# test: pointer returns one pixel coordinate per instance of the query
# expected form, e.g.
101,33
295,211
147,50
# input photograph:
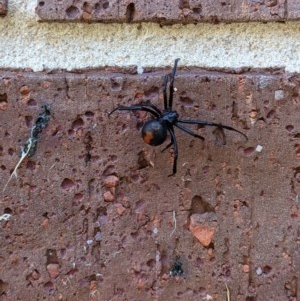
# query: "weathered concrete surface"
168,12
3,7
94,215
26,43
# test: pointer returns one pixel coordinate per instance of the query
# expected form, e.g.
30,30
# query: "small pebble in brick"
246,268
279,94
35,275
258,148
89,241
24,90
45,223
111,181
93,285
108,196
53,270
120,209
202,231
98,236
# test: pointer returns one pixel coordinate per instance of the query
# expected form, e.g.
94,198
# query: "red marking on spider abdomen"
148,136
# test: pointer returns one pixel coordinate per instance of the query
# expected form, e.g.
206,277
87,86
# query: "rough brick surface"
168,12
94,215
3,7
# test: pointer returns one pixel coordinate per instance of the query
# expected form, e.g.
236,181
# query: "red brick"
125,249
3,7
168,12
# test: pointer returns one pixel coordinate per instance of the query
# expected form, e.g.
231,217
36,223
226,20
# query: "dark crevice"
130,11
184,4
88,140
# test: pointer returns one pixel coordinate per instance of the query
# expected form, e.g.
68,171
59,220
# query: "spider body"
155,130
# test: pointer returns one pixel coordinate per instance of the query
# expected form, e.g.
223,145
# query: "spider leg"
173,140
169,145
208,123
166,77
188,131
172,84
157,110
150,109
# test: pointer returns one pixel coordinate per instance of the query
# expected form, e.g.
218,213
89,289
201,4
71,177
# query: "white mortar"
26,43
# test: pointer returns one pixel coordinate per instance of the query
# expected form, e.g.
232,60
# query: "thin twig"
23,156
174,221
227,292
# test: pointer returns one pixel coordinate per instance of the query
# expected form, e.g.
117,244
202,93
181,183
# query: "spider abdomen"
154,132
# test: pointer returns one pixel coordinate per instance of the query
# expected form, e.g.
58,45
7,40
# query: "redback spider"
154,131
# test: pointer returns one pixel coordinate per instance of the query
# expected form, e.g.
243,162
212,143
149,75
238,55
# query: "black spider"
154,131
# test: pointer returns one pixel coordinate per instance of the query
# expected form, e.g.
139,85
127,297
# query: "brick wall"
166,12
93,213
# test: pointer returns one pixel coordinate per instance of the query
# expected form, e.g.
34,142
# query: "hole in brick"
220,136
199,206
186,100
152,92
271,3
289,127
70,133
267,269
151,263
297,174
199,262
143,159
234,111
72,272
78,198
72,12
87,7
197,10
101,217
51,256
7,211
31,165
109,170
105,5
3,102
261,122
41,3
3,167
271,114
77,124
49,288
297,135
184,4
113,158
3,287
28,121
31,103
130,10
11,151
249,151
67,184
114,84
89,114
